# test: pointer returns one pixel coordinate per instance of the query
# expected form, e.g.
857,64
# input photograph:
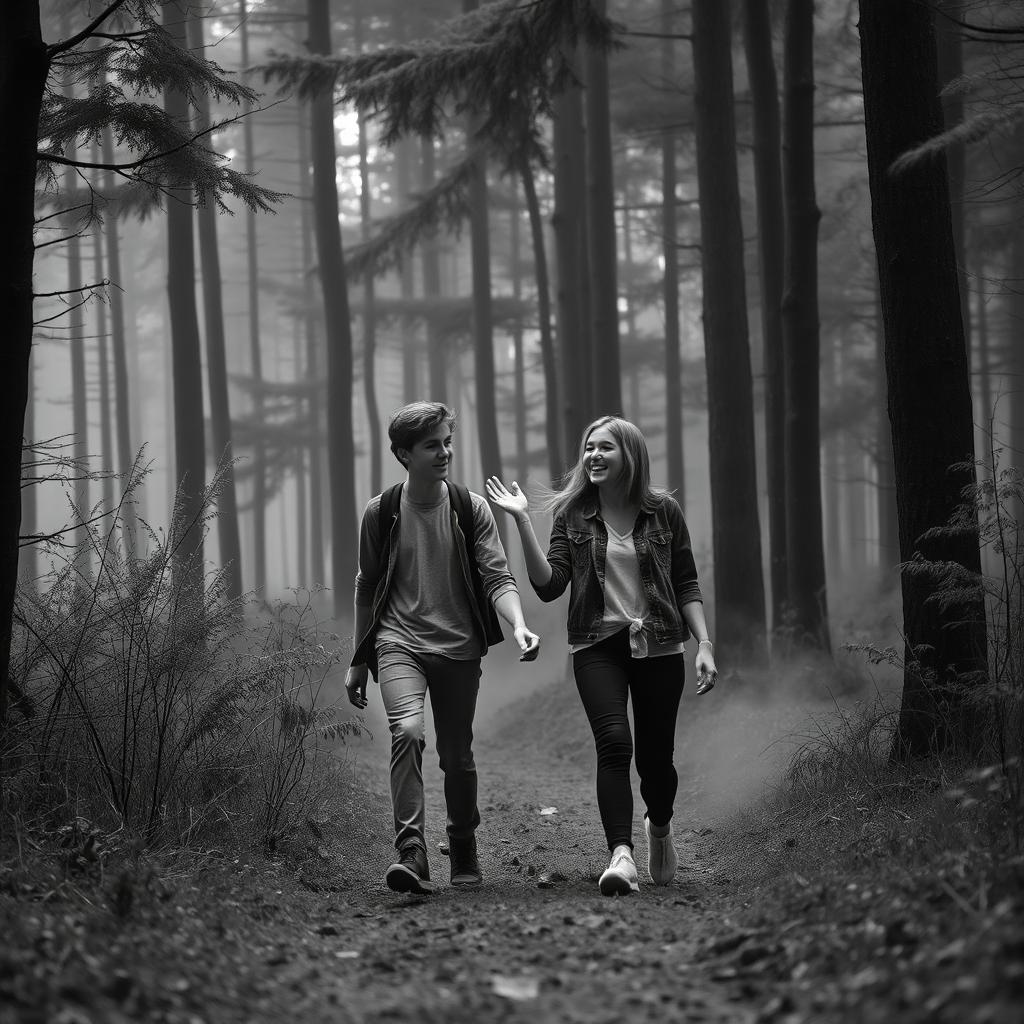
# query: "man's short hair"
415,421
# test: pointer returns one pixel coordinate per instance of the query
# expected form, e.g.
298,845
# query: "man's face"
429,457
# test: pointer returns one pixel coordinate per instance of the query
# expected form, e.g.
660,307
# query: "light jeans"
405,678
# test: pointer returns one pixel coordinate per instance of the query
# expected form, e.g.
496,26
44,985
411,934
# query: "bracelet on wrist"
708,642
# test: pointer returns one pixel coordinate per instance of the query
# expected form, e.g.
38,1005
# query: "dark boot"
465,866
410,873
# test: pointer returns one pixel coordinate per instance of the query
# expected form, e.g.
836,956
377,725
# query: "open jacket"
577,551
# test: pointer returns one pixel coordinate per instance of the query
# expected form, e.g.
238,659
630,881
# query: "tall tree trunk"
629,306
369,321
103,368
518,362
186,361
569,227
408,328
23,68
675,459
736,533
119,349
888,523
552,424
73,225
259,453
950,66
483,324
805,553
29,559
606,374
340,449
314,360
926,368
764,94
228,539
983,354
301,454
437,356
1013,361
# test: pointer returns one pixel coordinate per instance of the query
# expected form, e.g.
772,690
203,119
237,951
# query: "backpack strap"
388,509
463,502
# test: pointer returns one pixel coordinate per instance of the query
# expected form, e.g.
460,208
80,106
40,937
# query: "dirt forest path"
537,942
234,939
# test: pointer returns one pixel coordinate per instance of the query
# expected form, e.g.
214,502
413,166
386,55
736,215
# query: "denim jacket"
577,551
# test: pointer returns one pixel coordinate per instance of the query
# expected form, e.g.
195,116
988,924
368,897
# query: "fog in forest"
409,220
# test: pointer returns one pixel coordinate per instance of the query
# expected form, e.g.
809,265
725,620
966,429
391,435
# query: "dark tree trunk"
982,356
369,290
301,474
216,363
314,361
569,227
552,419
483,332
1013,380
926,367
603,355
764,94
437,358
186,361
736,534
259,455
518,361
29,560
76,340
888,523
103,369
369,322
119,349
340,448
633,411
404,159
950,64
675,459
805,551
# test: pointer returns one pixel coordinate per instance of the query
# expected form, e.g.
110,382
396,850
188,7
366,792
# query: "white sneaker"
620,878
662,860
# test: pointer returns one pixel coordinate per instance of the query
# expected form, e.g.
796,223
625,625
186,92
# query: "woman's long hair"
576,489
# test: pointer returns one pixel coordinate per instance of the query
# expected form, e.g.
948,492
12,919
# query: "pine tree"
154,150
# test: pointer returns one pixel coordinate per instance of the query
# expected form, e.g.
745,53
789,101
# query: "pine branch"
445,203
70,43
972,129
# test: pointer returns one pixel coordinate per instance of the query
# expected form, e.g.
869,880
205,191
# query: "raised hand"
511,499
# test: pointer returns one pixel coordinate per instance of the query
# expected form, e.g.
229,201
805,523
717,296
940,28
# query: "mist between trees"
248,231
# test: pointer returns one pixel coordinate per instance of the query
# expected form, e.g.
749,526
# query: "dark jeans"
606,676
405,677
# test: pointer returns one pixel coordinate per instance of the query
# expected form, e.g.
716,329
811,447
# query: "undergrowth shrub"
160,708
845,801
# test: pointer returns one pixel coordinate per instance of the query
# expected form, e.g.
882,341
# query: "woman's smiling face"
602,457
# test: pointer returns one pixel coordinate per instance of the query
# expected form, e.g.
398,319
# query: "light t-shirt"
428,609
625,603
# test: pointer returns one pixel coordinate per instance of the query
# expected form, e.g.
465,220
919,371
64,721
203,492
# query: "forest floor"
760,925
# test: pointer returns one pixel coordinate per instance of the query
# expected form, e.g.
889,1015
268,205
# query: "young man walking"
432,573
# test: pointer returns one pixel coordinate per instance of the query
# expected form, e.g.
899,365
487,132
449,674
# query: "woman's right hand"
511,499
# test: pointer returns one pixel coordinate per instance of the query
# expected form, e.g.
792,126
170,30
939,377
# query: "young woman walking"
623,549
